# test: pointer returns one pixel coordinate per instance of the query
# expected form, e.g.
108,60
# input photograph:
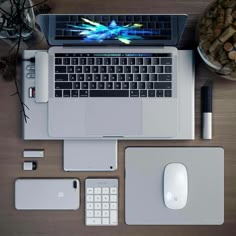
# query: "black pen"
206,97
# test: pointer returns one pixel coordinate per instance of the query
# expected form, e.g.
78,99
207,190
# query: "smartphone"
47,194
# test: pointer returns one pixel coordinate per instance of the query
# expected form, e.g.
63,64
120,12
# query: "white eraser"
33,153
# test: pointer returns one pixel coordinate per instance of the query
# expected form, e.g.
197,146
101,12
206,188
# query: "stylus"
206,97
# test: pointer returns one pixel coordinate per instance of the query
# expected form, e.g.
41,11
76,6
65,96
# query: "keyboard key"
74,93
121,77
147,61
97,77
111,69
105,198
119,69
58,93
162,85
97,198
153,77
84,85
105,221
113,77
105,77
60,69
168,93
95,69
127,69
123,61
149,85
115,61
58,61
141,85
143,69
125,85
72,77
93,221
97,213
105,206
61,77
99,61
155,61
113,206
139,61
109,85
159,93
105,214
134,93
107,61
89,198
101,85
165,77
83,61
89,191
168,69
137,77
151,69
131,61
143,93
145,77
83,93
70,69
93,85
105,190
74,61
113,190
117,85
86,69
89,77
63,85
133,85
151,93
90,61
113,198
80,77
78,69
129,77
76,85
89,213
109,93
97,190
159,69
135,69
103,69
166,61
66,61
66,93
113,217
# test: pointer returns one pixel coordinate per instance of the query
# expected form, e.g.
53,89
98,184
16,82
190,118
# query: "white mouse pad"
144,186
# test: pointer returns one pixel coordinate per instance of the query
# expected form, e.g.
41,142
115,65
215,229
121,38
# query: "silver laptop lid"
112,29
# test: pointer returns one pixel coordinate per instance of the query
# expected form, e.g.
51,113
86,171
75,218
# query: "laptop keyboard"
113,75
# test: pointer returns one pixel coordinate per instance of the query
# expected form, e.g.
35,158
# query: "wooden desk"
45,223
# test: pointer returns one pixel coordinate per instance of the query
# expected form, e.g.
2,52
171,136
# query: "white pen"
206,96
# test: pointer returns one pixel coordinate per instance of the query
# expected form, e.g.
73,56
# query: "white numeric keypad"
101,202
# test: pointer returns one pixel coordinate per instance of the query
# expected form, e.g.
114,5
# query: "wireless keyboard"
101,202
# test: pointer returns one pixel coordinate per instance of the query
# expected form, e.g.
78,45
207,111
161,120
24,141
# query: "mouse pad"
144,176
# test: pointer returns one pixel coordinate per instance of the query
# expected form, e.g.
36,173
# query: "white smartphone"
47,194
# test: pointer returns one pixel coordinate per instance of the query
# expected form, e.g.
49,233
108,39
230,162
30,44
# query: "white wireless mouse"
175,186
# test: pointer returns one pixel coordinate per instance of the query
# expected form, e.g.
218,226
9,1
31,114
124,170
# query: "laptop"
113,76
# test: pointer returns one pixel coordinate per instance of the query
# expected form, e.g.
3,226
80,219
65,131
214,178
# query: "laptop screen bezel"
62,42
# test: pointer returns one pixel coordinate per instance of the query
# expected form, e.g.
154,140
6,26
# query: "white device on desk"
101,202
47,194
144,114
174,186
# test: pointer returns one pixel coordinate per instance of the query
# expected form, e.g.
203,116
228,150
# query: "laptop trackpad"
114,117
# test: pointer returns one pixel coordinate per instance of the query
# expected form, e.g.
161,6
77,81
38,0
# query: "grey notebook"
144,201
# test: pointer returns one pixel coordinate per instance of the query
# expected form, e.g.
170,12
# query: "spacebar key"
109,93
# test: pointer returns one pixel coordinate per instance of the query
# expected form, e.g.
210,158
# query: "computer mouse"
175,186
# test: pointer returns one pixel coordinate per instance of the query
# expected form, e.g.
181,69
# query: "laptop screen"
115,29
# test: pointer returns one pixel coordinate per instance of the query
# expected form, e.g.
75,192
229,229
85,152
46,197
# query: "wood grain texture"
53,223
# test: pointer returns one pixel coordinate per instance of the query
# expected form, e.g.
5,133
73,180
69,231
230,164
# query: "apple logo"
60,194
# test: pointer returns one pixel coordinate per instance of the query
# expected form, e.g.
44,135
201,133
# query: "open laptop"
113,76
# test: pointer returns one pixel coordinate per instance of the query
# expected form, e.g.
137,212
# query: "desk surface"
71,223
